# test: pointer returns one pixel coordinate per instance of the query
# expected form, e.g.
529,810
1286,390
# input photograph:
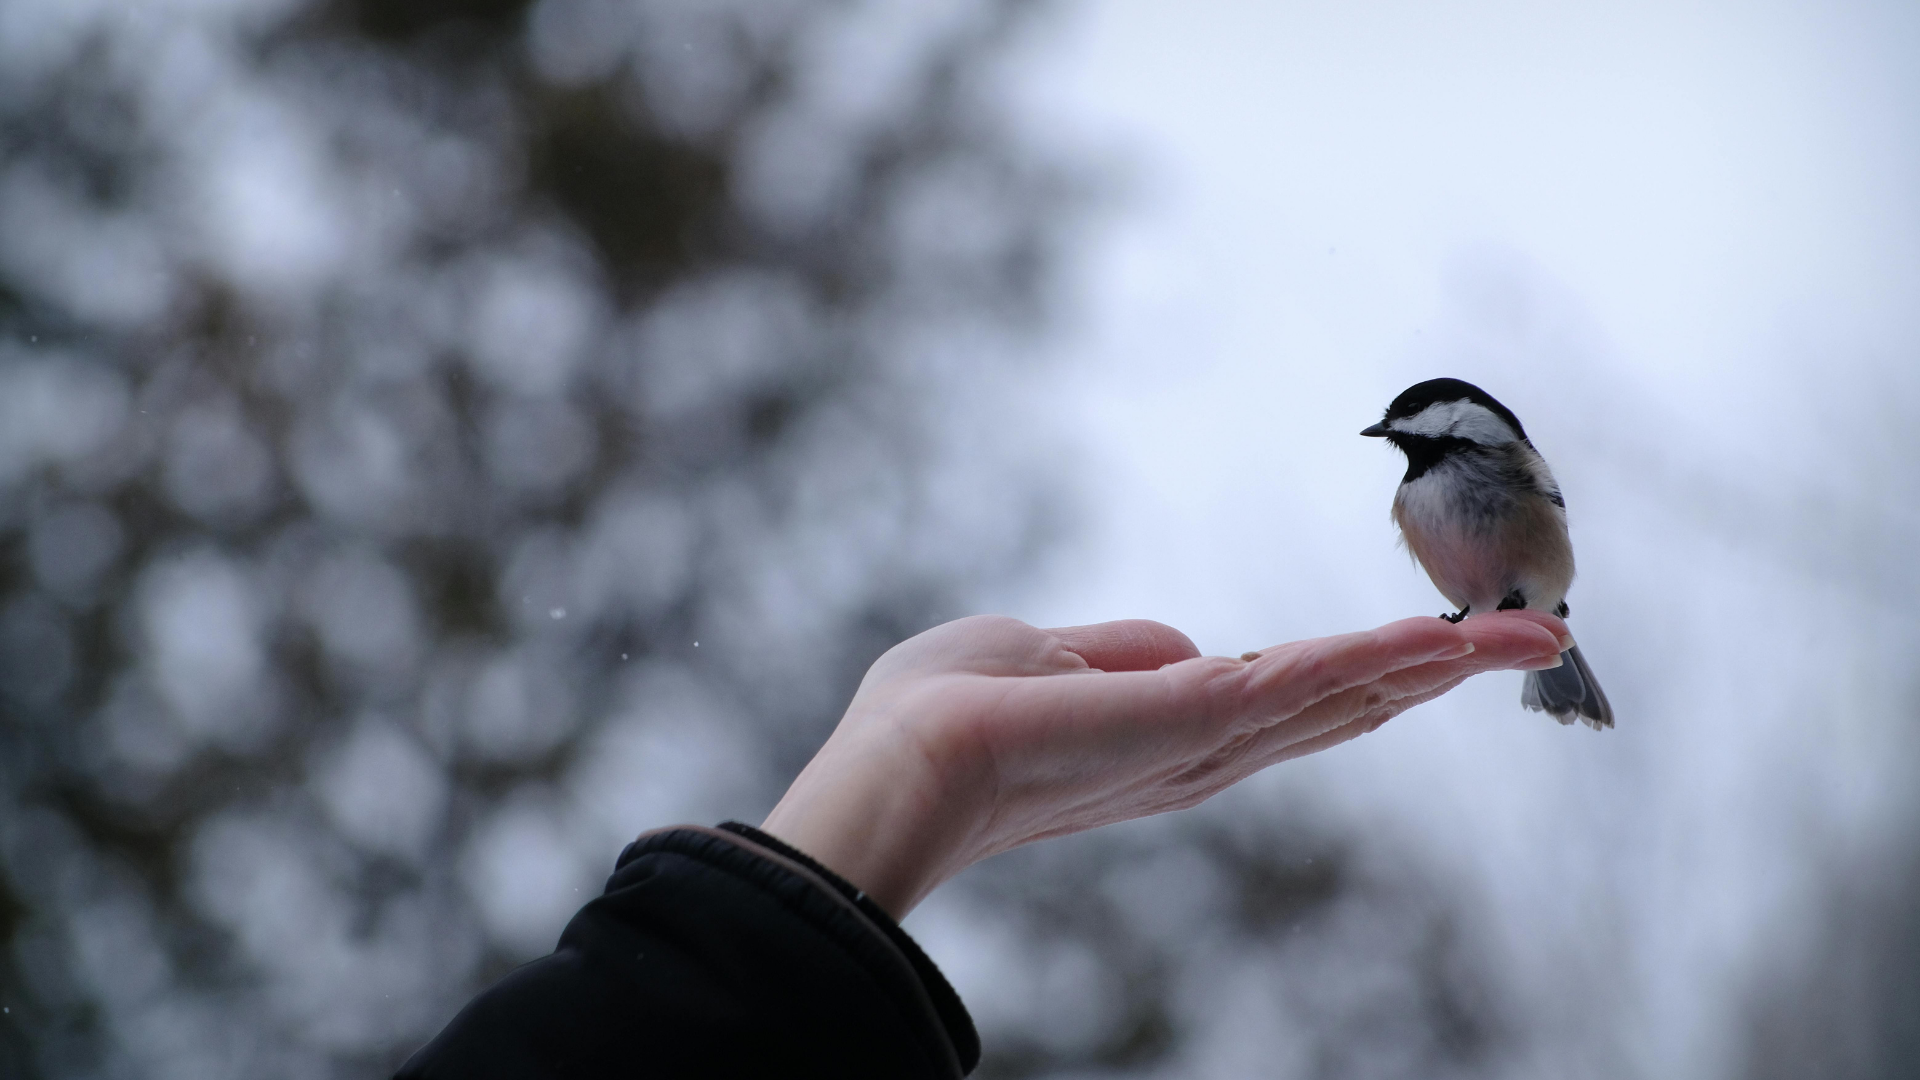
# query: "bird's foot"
1454,617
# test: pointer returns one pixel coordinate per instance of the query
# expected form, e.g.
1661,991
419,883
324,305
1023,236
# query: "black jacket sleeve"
715,952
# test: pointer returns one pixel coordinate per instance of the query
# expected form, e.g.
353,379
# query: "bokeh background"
441,440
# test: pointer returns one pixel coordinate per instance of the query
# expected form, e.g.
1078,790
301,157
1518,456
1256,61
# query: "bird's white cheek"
1459,420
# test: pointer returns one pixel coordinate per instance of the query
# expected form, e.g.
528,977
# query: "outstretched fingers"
1247,711
1365,721
1286,679
1314,687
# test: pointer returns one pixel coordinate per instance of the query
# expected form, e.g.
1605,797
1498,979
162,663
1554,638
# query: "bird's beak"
1377,431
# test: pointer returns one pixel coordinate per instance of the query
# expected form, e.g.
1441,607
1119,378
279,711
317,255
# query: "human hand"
985,733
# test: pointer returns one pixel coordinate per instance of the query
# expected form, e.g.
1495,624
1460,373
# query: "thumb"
1127,644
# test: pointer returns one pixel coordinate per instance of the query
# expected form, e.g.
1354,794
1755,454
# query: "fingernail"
1545,663
1456,652
1566,642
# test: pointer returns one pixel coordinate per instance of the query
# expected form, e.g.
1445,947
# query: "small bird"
1481,512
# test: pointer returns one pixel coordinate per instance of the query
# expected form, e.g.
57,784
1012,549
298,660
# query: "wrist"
881,809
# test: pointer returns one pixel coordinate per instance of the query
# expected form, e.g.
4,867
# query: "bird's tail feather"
1568,692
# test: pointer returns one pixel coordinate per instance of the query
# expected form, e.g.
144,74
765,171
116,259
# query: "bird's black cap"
1420,395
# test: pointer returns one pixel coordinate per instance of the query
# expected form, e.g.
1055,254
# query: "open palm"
986,733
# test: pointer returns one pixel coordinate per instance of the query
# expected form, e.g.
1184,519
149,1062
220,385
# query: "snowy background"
440,441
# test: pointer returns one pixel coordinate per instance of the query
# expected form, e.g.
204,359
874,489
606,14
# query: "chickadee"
1481,511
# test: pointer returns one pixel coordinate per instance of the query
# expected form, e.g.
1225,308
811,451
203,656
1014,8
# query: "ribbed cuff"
953,1013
